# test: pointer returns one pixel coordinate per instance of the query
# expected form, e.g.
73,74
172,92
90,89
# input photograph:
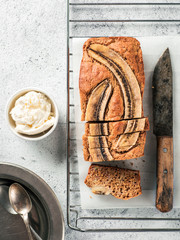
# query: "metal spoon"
21,203
5,203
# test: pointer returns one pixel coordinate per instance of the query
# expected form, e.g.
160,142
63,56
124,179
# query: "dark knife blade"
163,129
163,96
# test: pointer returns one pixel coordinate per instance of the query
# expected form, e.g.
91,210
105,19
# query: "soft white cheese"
32,113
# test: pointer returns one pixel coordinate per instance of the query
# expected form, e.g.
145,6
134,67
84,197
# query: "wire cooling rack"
96,18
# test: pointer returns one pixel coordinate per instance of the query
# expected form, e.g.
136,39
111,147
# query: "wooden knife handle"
164,192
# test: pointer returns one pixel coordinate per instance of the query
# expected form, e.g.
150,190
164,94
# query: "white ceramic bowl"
12,124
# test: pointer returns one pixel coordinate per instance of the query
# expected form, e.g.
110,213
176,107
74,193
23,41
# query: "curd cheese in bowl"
32,113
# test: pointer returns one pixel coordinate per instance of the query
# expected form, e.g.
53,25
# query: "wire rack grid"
97,18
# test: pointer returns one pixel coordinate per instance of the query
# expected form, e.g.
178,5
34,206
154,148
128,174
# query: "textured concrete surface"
33,53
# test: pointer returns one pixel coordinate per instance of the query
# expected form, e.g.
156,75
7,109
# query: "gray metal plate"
46,215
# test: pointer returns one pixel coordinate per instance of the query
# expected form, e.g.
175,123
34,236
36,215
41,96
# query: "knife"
163,129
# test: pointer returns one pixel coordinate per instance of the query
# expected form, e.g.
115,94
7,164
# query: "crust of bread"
120,183
92,73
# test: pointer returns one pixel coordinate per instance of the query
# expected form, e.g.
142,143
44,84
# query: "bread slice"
124,152
116,128
112,79
103,154
120,183
120,142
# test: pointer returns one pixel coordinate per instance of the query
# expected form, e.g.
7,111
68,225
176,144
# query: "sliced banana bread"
120,183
